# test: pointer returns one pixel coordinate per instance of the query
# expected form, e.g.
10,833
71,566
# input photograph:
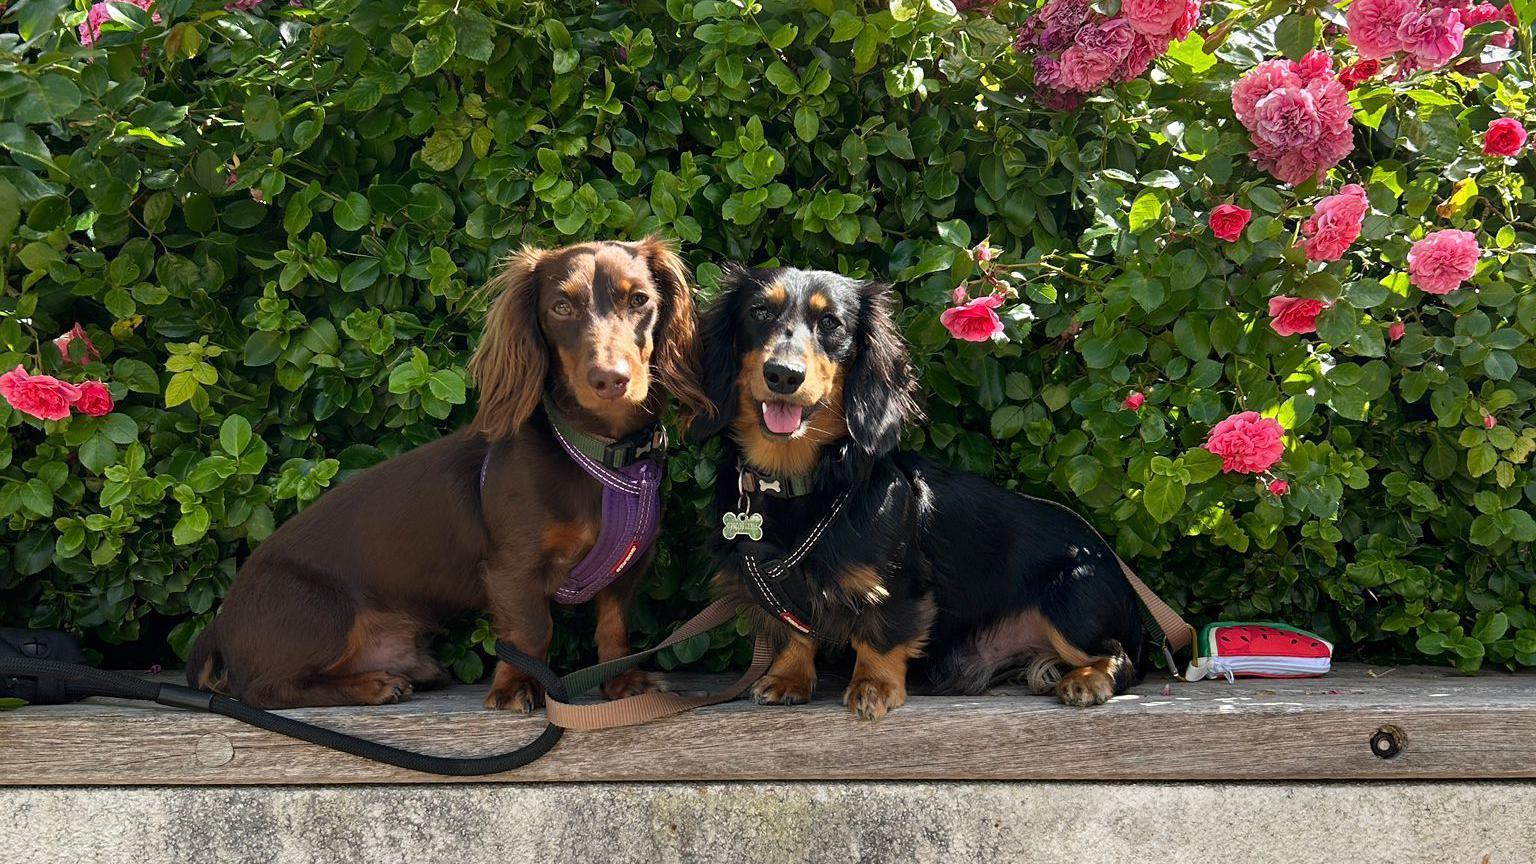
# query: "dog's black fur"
923,561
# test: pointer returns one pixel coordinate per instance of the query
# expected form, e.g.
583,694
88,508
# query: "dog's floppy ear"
511,361
721,363
877,394
676,358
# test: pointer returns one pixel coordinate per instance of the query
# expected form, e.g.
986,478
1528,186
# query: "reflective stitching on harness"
764,580
630,520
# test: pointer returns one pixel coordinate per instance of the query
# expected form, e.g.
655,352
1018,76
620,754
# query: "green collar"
648,440
790,486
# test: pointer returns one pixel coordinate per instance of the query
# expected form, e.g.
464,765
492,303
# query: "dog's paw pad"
1085,687
384,688
519,696
632,683
782,690
872,698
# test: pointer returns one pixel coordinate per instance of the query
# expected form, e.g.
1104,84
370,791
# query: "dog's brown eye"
829,324
563,307
638,300
762,313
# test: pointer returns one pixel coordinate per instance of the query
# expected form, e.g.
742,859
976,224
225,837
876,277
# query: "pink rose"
1395,332
1298,116
90,28
1334,224
1112,38
1068,13
1228,221
241,5
1287,119
1143,51
1505,137
983,252
1489,422
1247,443
1048,74
1374,24
1433,36
1134,401
1154,17
973,320
42,396
1316,66
1261,80
1279,487
1443,260
1187,21
77,332
95,400
1292,315
1086,70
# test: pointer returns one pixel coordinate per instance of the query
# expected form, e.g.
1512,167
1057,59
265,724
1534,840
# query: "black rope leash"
79,682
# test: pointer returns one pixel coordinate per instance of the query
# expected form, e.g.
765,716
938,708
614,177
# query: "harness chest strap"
630,473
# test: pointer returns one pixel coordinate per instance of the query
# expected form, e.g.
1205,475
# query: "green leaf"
10,211
1163,496
431,53
263,118
806,123
1297,34
351,212
235,434
97,453
1146,210
1007,421
183,386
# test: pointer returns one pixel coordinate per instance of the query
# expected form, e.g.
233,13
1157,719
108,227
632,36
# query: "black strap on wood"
77,681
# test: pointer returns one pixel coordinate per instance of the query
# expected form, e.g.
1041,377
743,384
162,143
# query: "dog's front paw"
783,690
517,695
633,682
1085,687
382,688
872,698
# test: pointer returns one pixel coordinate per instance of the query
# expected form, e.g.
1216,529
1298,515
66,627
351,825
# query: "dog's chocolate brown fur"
337,606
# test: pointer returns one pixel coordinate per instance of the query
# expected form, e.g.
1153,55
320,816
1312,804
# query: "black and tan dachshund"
908,560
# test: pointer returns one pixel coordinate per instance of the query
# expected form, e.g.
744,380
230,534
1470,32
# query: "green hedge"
272,222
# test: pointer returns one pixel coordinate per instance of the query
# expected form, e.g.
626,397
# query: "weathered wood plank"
1454,727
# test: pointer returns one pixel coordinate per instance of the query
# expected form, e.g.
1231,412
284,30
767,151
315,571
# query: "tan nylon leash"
1176,631
642,708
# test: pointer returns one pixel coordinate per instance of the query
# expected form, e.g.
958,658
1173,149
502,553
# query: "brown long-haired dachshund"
902,557
337,606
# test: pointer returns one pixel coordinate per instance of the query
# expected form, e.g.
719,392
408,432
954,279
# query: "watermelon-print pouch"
1232,649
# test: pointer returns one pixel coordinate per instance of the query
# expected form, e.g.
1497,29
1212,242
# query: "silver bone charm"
735,525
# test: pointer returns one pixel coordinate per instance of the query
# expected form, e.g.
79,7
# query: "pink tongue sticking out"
780,418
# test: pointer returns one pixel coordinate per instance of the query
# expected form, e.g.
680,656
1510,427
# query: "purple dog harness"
630,472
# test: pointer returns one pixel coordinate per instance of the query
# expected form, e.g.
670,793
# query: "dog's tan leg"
792,678
879,680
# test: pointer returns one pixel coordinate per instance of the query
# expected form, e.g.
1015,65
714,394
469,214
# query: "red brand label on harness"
791,620
628,555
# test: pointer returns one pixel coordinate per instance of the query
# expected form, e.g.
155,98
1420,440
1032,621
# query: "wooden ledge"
1446,726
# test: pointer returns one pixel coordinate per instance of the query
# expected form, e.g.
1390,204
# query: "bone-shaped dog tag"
735,525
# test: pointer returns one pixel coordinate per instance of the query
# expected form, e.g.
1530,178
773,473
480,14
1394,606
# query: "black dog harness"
777,585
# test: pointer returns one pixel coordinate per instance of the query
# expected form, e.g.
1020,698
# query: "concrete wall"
1041,823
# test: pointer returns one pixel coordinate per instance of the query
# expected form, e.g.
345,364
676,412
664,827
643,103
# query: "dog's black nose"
782,377
609,383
